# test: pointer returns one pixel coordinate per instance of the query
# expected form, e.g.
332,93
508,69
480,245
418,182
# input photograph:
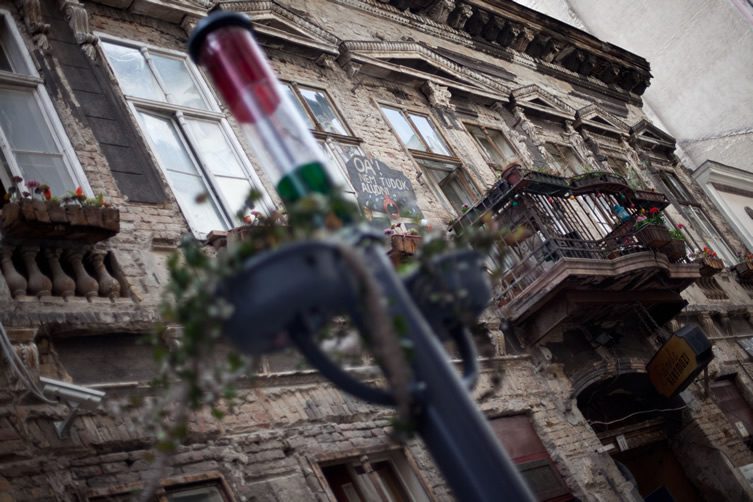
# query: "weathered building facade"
443,99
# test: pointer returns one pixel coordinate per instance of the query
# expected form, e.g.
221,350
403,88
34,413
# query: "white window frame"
459,171
27,77
177,114
328,141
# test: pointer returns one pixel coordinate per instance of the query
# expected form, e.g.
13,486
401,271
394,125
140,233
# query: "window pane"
403,129
502,144
4,59
178,82
235,191
218,155
133,73
23,122
490,153
183,175
676,187
298,106
323,111
47,169
430,134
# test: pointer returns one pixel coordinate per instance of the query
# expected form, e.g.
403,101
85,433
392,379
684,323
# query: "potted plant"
650,229
710,263
675,250
744,269
32,212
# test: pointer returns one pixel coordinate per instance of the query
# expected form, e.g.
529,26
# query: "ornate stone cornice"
262,9
565,51
535,98
377,52
599,120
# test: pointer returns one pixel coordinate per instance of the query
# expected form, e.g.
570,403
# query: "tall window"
525,448
330,130
444,170
494,146
383,476
188,134
566,161
705,230
33,144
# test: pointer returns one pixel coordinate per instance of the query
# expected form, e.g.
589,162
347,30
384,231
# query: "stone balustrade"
60,269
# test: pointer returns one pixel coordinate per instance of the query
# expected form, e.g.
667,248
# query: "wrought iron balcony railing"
568,233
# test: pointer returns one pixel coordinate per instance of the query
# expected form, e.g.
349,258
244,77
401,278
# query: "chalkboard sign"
385,195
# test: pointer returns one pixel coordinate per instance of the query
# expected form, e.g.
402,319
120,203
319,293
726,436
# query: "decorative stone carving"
513,136
440,10
78,19
38,284
31,11
438,95
553,48
523,39
525,125
15,281
326,61
508,34
188,23
606,71
580,145
460,16
62,285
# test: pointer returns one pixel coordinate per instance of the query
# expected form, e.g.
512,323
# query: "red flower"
680,226
47,193
653,210
79,192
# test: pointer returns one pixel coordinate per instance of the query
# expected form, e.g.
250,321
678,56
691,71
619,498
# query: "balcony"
571,257
48,250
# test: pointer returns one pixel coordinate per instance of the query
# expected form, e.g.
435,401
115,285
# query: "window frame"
690,211
328,141
178,115
485,129
28,77
468,184
399,459
568,170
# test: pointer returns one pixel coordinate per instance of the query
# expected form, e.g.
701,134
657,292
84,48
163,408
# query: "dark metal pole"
453,428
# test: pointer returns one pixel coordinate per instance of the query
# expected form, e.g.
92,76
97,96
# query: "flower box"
405,244
710,265
675,250
37,219
653,236
644,199
744,270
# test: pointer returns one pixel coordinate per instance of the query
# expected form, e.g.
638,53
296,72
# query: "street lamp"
297,288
